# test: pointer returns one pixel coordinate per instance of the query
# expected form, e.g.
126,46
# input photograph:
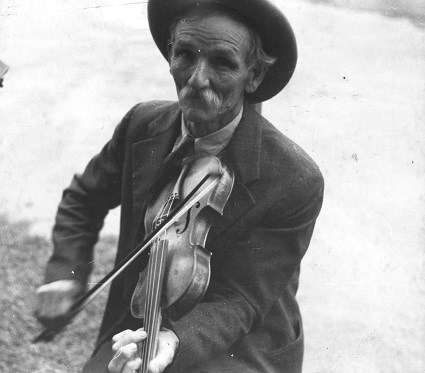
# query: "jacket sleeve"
82,210
258,264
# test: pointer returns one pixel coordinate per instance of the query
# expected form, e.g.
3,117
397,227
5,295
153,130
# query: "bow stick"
185,205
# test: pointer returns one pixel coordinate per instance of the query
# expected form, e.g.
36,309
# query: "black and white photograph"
221,186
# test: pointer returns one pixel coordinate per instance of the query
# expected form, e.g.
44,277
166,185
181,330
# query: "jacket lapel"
245,147
149,154
243,156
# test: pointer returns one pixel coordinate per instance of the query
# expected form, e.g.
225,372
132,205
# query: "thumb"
167,347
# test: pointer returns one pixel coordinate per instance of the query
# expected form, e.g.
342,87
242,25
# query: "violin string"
148,312
147,304
160,261
157,286
155,278
156,292
154,285
148,300
151,284
153,303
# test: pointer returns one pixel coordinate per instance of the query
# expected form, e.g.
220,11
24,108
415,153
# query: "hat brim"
272,26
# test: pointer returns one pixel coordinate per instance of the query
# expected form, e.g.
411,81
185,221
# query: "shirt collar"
213,143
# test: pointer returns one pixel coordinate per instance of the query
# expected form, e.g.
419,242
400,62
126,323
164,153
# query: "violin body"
186,278
178,271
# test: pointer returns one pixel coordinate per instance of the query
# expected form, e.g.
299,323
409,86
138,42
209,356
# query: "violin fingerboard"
154,286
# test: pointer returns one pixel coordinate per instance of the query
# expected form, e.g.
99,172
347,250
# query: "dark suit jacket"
249,320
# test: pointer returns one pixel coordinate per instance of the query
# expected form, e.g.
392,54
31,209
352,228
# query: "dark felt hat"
274,29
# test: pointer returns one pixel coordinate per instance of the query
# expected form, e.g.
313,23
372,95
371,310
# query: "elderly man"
224,55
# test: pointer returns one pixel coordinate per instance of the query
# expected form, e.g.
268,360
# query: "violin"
178,271
182,277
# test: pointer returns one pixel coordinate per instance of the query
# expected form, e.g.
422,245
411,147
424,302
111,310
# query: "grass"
24,257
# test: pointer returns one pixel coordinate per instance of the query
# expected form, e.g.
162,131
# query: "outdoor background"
356,104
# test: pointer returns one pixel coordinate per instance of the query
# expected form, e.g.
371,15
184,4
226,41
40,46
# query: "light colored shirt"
213,143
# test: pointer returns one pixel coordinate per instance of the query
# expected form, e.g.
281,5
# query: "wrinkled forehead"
199,13
213,28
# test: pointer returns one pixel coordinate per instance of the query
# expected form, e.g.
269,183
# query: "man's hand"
126,360
54,301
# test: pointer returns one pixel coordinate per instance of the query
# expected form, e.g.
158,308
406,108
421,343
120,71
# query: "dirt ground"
356,104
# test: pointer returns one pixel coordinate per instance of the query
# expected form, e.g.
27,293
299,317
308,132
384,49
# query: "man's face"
208,64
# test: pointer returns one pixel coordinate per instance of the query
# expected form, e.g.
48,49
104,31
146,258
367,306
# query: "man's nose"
199,78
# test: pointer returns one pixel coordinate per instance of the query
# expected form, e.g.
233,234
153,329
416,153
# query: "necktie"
172,165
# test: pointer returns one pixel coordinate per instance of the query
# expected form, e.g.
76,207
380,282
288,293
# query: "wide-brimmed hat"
272,26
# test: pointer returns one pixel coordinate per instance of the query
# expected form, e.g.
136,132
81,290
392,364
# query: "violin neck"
152,320
148,348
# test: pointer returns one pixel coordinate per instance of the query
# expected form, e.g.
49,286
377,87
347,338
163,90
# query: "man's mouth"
202,99
188,94
192,98
195,103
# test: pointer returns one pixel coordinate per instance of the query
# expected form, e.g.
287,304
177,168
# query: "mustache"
211,99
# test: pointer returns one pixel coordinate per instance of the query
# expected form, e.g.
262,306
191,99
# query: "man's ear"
255,77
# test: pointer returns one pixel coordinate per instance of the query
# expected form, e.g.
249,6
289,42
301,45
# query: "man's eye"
184,53
222,62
